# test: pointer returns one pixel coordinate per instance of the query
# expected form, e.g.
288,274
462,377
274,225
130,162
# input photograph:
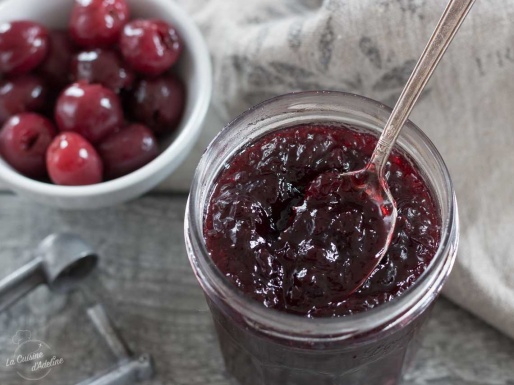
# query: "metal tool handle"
450,21
19,283
104,327
127,370
137,369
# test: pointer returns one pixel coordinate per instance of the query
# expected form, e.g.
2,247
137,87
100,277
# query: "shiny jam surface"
293,250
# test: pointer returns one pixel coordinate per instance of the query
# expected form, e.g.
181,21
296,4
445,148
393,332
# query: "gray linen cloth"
263,48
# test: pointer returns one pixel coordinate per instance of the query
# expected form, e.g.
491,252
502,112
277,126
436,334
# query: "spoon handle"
450,21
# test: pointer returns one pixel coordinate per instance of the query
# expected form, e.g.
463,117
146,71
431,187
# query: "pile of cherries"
87,104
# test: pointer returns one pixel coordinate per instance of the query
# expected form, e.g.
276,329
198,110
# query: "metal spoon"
61,261
371,180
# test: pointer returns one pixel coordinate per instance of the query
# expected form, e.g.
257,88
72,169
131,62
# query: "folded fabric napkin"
263,48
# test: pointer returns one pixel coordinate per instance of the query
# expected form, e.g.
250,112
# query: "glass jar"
262,346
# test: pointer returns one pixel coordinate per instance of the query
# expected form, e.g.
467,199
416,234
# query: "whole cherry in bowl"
100,100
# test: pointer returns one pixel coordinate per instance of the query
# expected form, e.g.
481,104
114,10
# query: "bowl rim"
187,136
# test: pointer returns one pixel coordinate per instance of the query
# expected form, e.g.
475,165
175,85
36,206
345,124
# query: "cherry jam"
278,247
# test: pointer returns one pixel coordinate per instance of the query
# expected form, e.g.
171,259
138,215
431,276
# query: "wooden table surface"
148,288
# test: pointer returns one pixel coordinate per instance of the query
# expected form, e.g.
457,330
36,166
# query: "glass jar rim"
386,317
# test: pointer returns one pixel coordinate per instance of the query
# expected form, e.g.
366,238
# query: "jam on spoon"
370,180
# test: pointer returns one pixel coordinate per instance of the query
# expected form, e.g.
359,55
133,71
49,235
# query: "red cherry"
72,161
102,66
127,150
150,46
23,142
158,103
91,110
55,67
26,93
23,46
97,23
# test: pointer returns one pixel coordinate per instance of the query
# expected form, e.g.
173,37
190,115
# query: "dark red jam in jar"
293,252
272,243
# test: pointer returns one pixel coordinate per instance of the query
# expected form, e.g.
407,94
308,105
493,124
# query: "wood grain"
147,286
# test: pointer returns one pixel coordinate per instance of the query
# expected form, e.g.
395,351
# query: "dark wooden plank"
149,290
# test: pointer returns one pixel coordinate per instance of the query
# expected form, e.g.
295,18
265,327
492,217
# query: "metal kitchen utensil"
371,180
60,261
128,369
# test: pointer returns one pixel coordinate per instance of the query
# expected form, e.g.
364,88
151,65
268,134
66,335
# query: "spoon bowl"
363,194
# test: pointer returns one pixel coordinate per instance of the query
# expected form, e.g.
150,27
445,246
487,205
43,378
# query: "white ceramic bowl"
194,68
